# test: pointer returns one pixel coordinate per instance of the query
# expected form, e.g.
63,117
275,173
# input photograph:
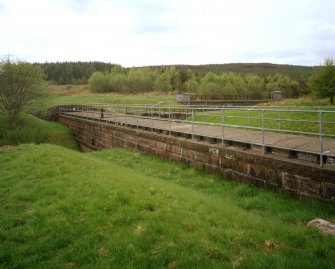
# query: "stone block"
328,191
176,150
163,154
175,158
189,154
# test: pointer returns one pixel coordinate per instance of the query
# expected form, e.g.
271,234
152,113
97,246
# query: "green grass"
31,129
123,209
79,94
114,99
273,120
301,101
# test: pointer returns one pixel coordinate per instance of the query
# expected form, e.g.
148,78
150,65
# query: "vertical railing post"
169,120
152,119
222,121
263,134
125,116
203,113
102,113
279,120
192,122
137,114
321,138
249,117
115,111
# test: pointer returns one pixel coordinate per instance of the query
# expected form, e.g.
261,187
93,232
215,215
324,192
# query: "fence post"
115,112
203,113
192,122
125,117
222,120
249,117
321,138
137,114
279,120
102,113
169,120
152,119
263,134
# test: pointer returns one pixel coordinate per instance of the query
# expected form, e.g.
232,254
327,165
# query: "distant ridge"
79,72
295,71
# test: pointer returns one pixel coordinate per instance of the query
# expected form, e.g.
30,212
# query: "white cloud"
145,32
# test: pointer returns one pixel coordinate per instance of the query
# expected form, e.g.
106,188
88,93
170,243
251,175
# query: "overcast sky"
154,32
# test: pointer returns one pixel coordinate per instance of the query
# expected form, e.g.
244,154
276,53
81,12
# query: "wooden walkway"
298,143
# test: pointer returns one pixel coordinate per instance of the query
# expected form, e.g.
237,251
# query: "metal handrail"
188,115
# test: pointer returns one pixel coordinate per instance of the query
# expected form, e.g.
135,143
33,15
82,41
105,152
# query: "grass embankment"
79,94
122,209
31,129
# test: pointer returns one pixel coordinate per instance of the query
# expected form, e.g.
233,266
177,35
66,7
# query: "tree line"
63,73
254,80
80,72
169,78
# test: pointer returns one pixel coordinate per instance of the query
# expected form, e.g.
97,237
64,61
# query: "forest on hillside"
63,73
254,80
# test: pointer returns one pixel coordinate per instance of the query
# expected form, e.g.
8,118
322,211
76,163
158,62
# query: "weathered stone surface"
293,176
328,191
323,225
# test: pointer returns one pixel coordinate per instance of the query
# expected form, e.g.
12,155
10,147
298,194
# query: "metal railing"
307,121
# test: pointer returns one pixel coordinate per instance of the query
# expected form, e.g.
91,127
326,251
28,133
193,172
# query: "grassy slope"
120,209
34,130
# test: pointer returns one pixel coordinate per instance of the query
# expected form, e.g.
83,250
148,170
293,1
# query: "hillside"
294,71
79,72
121,209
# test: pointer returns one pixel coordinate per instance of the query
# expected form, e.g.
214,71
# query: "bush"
99,82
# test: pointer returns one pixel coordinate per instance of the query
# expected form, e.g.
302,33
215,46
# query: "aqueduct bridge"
286,149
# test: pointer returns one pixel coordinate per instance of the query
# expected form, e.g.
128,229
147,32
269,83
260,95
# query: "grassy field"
122,209
79,94
31,129
301,101
293,121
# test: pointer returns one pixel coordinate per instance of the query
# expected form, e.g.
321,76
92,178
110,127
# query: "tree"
162,83
140,79
22,87
322,81
117,83
255,85
192,85
98,82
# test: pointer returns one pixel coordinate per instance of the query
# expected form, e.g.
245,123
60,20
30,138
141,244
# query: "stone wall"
297,177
